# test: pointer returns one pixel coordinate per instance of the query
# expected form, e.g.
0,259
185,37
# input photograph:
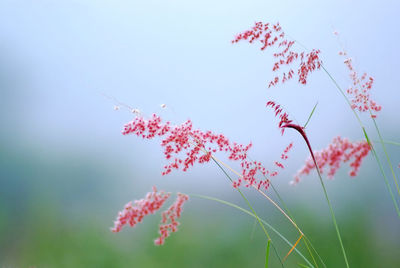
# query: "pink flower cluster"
271,35
134,213
341,150
169,221
153,201
197,146
283,116
360,89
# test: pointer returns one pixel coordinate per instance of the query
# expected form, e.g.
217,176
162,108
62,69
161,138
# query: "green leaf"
311,114
267,254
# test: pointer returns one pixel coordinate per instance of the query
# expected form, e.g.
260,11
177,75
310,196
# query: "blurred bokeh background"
65,169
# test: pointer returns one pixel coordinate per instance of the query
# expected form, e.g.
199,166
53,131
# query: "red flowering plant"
184,146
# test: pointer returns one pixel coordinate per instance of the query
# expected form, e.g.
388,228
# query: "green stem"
254,216
304,135
384,175
389,142
332,214
247,201
386,153
307,242
254,212
365,133
267,253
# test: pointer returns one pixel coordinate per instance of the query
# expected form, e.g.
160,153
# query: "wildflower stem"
307,242
279,208
311,114
389,142
261,192
245,199
386,153
332,214
252,209
267,253
303,134
384,175
254,216
372,149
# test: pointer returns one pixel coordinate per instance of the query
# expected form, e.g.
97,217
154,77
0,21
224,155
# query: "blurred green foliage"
54,213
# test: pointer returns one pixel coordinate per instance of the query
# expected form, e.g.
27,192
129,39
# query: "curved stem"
254,216
303,134
372,148
386,153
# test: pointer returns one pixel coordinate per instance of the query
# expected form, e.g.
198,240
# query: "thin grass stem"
254,216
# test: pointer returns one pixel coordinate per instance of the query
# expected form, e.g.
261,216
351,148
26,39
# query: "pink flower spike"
134,213
340,151
169,223
272,37
283,116
185,146
360,88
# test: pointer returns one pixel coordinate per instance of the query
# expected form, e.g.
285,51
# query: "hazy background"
65,169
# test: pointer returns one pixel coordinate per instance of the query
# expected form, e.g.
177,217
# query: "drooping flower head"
340,151
133,213
271,36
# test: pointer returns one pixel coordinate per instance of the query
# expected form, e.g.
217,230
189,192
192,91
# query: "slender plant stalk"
307,242
311,114
267,253
390,142
261,192
385,178
386,153
372,148
302,265
254,216
254,212
365,133
294,246
303,134
291,218
221,163
333,215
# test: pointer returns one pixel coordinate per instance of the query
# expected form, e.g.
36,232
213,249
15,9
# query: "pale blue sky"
61,55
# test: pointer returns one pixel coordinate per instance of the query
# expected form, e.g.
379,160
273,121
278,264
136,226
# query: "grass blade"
294,246
267,254
311,114
252,215
302,265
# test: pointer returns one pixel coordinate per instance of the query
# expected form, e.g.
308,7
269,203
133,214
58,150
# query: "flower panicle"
133,213
360,88
341,150
169,223
272,36
279,112
185,146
